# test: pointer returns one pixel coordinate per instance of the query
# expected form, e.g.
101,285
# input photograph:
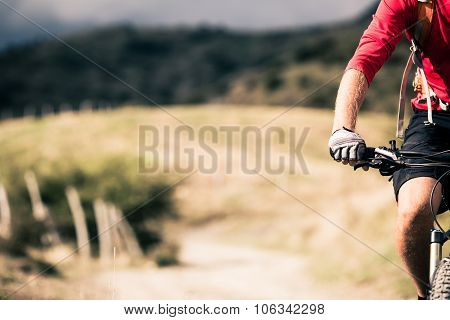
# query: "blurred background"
78,79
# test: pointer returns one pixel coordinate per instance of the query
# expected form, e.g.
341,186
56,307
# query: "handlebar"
386,160
390,159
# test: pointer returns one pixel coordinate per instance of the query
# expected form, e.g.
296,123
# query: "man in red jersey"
412,186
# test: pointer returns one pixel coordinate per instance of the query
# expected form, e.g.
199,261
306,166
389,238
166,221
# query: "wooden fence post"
5,215
127,233
40,211
103,231
79,219
38,207
116,237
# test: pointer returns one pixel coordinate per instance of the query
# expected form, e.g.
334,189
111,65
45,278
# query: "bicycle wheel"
440,288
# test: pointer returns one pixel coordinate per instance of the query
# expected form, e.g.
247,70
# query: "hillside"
191,65
237,220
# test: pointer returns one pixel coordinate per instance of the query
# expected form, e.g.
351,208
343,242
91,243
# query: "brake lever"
386,168
374,163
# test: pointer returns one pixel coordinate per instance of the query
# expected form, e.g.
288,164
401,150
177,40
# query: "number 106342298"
298,308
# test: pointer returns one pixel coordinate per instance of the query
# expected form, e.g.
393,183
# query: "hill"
191,65
236,210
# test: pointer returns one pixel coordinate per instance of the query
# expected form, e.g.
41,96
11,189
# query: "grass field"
341,221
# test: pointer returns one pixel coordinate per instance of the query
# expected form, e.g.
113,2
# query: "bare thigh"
414,196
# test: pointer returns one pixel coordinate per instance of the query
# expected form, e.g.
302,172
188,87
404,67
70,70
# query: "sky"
63,16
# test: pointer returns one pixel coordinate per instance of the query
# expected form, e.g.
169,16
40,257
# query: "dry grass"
250,210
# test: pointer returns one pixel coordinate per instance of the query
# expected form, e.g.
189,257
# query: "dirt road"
211,269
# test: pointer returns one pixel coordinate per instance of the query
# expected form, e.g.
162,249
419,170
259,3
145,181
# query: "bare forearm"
351,94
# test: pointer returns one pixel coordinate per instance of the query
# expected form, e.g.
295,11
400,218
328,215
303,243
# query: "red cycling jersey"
392,18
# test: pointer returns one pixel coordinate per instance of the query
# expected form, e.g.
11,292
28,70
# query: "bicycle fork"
438,238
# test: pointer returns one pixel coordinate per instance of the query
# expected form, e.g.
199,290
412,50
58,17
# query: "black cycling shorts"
427,139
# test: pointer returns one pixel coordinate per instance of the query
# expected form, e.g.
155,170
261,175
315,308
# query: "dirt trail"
214,270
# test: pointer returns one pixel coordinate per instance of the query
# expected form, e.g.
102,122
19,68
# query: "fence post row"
112,227
32,111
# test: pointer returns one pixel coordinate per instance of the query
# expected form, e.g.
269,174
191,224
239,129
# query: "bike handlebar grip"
364,153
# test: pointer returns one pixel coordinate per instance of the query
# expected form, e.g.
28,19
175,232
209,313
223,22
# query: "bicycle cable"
432,165
421,155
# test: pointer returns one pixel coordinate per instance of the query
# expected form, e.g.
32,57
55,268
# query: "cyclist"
429,126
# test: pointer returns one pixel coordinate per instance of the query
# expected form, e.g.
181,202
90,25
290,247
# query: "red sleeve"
381,37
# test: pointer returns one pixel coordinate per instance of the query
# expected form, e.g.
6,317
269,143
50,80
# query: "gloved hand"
346,146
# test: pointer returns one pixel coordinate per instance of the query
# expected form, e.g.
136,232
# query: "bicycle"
390,159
